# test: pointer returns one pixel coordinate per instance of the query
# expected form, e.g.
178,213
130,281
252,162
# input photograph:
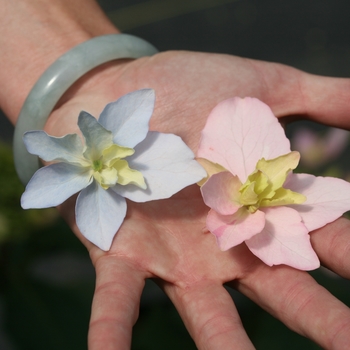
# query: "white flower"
121,159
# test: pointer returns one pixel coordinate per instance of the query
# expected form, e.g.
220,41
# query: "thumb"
293,94
327,100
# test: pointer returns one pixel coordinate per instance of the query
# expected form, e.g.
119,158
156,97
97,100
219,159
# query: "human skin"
165,240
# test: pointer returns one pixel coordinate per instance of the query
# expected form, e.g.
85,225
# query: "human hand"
165,239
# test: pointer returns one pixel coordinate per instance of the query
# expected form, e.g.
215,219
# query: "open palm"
166,239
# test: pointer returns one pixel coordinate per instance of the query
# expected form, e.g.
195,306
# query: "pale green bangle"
58,78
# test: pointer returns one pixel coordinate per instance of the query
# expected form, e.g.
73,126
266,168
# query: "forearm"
33,34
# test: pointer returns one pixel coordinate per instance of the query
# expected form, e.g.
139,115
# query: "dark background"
46,279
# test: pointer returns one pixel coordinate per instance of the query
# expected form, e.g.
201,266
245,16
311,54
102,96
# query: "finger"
291,92
327,100
298,301
115,305
210,316
332,245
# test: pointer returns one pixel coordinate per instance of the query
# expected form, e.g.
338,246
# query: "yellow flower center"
263,187
110,168
97,165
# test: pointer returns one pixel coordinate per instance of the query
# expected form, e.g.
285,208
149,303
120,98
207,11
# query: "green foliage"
15,223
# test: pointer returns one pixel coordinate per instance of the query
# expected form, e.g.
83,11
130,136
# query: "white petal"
68,148
53,184
284,240
167,165
99,214
97,138
327,198
128,117
239,132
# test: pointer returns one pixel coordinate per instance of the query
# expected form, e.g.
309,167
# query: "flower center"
97,165
263,187
111,169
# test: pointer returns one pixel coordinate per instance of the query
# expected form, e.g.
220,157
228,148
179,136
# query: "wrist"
38,33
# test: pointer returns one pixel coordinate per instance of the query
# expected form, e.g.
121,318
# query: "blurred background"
46,278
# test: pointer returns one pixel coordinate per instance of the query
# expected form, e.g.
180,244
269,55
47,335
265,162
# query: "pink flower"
252,192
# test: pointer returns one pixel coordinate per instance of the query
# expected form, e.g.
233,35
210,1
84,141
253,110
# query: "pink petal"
221,193
239,132
327,198
231,230
284,240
